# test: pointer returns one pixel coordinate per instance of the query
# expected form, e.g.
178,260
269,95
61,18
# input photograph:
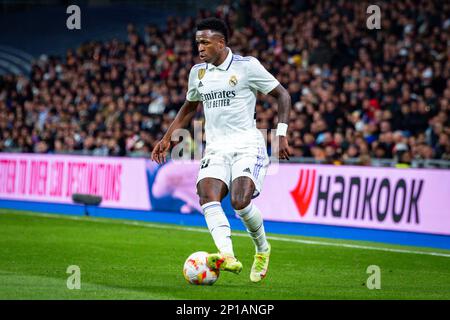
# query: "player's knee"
204,199
240,202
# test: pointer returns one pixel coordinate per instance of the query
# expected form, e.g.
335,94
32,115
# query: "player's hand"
160,150
284,151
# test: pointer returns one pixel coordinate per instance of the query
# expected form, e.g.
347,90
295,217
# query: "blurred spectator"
356,93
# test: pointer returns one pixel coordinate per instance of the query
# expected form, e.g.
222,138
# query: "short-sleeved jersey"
228,93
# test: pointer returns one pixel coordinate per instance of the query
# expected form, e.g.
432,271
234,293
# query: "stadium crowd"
356,93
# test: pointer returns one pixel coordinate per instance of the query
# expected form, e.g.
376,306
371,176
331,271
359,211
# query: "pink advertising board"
415,200
121,182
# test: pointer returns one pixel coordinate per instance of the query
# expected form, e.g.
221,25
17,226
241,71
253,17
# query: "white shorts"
250,162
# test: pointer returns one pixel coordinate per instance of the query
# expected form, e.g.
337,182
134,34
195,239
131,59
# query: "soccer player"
235,157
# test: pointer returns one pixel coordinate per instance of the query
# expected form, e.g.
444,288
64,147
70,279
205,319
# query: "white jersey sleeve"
192,92
259,78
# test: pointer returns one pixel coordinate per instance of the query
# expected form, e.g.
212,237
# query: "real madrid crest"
201,73
233,81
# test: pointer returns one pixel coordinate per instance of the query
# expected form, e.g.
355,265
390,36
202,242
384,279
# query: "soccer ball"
196,271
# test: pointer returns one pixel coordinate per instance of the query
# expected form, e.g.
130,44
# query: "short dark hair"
214,24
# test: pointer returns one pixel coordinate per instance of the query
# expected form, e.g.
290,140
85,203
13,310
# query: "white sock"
218,226
252,219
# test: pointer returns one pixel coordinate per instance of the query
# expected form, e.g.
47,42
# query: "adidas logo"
247,170
200,84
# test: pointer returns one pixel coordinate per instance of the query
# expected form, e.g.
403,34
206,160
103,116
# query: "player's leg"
212,188
248,174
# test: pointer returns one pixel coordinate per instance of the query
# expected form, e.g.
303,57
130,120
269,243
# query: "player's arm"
284,107
182,119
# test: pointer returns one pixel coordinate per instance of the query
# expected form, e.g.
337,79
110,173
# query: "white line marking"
276,238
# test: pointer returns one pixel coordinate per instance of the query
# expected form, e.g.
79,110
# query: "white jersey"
228,93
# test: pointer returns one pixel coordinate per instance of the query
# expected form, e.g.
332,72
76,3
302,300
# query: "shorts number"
205,163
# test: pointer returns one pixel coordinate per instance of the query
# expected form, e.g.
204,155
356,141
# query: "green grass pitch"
121,259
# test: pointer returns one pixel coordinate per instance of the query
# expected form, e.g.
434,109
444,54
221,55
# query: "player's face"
210,44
